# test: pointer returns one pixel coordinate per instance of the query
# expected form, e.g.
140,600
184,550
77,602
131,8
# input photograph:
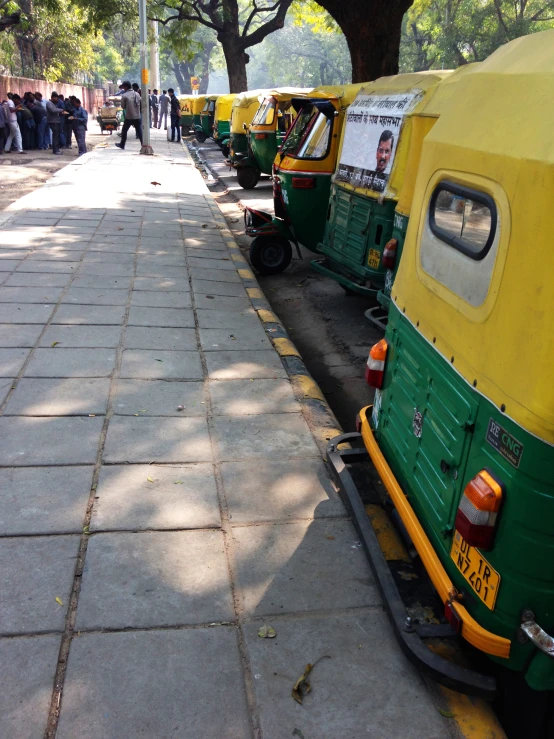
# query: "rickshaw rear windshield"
206,106
266,113
310,135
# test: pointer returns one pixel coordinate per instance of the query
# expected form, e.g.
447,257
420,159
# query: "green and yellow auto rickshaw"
461,431
243,110
266,134
205,129
222,118
301,179
187,117
197,104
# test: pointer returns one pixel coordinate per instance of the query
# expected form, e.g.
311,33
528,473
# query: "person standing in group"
47,132
130,102
53,113
61,106
39,114
164,105
79,121
68,125
154,104
14,132
175,116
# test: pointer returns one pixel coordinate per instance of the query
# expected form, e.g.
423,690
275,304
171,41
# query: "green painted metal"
187,120
264,150
306,210
454,430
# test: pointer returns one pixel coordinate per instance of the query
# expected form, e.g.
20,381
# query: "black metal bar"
444,672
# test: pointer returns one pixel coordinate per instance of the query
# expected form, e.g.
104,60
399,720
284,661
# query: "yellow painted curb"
268,316
307,386
238,258
254,292
389,540
285,348
246,274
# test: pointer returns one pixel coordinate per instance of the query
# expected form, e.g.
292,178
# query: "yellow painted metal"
283,96
495,135
198,102
223,107
472,632
244,108
185,101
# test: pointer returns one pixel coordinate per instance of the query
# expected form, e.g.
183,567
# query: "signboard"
373,126
195,83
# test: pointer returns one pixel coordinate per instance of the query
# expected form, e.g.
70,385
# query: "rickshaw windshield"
266,113
310,134
206,106
211,106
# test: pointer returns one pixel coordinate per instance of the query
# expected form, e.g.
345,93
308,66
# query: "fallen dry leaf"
155,183
150,479
178,482
446,714
55,343
59,601
302,687
267,632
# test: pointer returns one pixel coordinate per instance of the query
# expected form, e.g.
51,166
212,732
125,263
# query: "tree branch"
271,25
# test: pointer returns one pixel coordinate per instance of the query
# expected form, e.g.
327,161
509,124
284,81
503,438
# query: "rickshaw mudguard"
262,223
319,266
410,638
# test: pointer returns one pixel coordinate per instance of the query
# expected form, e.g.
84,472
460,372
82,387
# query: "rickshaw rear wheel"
225,150
248,177
201,137
270,254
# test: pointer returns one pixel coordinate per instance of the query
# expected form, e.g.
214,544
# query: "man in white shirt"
164,107
15,133
130,102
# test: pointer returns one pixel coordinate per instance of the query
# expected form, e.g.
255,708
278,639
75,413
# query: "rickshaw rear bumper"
322,266
262,223
410,637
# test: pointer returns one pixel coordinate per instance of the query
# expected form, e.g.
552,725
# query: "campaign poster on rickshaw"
373,126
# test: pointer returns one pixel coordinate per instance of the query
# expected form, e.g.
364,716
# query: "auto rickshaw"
197,104
206,128
301,179
187,117
266,134
110,115
461,431
244,108
222,118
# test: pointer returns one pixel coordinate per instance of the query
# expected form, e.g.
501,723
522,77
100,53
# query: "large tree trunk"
372,29
180,74
236,61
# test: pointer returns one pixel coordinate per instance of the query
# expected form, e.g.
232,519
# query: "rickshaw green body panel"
196,121
307,214
264,150
222,134
206,123
239,145
455,428
187,120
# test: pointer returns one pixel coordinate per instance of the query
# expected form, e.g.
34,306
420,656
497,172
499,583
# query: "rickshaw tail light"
303,183
375,368
452,617
388,260
478,510
260,135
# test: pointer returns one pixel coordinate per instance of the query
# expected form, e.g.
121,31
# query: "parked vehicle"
461,430
197,104
187,117
205,129
301,179
110,115
222,118
266,134
243,110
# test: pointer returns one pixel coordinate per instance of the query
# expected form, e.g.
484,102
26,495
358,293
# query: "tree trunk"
372,29
205,68
180,79
236,60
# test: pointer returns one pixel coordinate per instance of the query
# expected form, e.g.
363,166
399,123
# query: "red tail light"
452,617
303,183
375,368
478,510
388,260
359,423
260,135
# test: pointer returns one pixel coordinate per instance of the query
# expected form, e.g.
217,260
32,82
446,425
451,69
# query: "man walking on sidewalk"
130,102
53,113
14,133
164,105
79,121
154,103
175,115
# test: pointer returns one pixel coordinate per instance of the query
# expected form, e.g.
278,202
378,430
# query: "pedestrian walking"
175,110
53,113
164,107
68,125
130,102
155,103
14,134
79,121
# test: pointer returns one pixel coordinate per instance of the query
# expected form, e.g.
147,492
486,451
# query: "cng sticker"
504,443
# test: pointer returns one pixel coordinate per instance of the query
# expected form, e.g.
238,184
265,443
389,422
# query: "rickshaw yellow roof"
344,93
496,135
198,102
248,98
223,106
287,93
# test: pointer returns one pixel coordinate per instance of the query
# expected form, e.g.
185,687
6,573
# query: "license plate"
374,258
482,577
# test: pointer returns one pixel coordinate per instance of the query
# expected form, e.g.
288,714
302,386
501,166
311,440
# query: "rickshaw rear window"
463,218
310,135
206,106
266,113
211,106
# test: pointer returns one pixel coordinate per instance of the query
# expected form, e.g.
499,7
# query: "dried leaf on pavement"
150,479
267,632
155,183
59,601
55,343
446,714
302,687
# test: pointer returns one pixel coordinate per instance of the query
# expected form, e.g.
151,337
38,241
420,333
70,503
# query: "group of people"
31,122
158,105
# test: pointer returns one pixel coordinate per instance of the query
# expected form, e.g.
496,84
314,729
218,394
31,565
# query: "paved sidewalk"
142,547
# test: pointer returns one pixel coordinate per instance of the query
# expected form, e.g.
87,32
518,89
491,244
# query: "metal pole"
144,103
154,57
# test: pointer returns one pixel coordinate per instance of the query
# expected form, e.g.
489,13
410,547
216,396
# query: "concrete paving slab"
276,565
67,397
94,296
207,253
126,260
6,385
213,274
80,315
159,398
161,283
228,319
11,361
252,397
269,436
220,303
26,312
244,365
29,295
214,241
63,362
106,269
145,440
161,365
66,242
44,266
105,282
56,253
35,571
19,335
158,299
26,441
32,498
238,339
8,265
279,490
223,264
179,497
16,253
99,247
185,683
31,279
163,317
28,670
142,337
82,336
211,287
154,270
158,260
366,688
147,579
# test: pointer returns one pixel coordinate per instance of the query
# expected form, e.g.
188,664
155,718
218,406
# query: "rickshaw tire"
270,255
201,137
248,177
225,151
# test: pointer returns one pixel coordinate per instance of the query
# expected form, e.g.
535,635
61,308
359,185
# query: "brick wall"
91,99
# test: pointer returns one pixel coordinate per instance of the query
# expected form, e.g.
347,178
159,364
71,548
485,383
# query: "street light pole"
144,102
